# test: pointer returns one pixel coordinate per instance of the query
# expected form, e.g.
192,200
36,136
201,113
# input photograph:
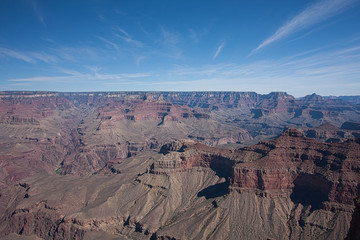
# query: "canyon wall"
177,165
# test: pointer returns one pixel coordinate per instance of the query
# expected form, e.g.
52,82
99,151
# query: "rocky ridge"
106,164
189,181
80,133
276,165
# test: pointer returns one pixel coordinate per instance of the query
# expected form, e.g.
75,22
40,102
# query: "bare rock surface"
193,191
168,165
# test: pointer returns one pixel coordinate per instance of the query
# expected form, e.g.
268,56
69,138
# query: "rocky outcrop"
294,163
111,164
291,165
351,99
276,102
354,231
327,133
84,131
79,133
289,187
35,133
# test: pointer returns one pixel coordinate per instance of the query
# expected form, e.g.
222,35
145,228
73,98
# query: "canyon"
178,165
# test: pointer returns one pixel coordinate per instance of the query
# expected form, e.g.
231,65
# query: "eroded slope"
291,187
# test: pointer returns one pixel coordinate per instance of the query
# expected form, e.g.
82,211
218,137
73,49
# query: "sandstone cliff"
291,187
85,165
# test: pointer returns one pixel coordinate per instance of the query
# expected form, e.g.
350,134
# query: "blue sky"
296,46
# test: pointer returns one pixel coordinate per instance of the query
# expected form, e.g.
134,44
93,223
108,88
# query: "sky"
298,46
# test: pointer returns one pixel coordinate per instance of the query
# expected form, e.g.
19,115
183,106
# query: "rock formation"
294,187
172,165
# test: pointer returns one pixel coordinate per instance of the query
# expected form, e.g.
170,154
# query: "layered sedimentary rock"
281,164
319,177
289,187
35,134
79,133
111,165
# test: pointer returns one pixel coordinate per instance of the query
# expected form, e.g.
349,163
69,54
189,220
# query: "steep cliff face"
287,165
35,134
31,109
275,102
120,129
302,167
112,164
211,100
79,133
354,231
318,178
290,187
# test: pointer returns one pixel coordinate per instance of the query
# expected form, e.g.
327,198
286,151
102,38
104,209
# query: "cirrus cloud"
318,12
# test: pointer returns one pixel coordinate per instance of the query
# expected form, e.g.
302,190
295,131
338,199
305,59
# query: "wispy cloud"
16,55
326,70
44,57
169,41
139,59
75,76
198,34
30,57
169,37
94,69
123,35
101,17
108,42
318,70
47,79
312,15
194,36
218,50
142,28
79,53
38,13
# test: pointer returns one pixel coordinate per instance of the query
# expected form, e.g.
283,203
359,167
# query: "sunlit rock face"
177,165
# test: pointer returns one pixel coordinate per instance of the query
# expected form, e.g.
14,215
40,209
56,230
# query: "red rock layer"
279,166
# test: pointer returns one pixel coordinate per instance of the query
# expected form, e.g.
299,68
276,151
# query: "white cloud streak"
78,53
169,42
123,35
168,37
30,57
194,36
325,72
312,15
15,54
218,50
110,43
299,74
74,76
139,59
38,13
